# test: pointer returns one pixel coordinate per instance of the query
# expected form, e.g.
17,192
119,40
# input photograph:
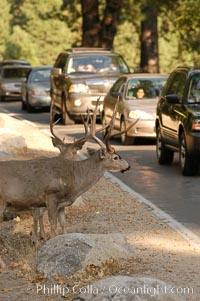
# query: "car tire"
164,155
29,108
23,106
66,120
189,165
2,98
126,140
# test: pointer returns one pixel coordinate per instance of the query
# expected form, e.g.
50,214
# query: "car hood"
97,83
12,80
146,104
39,86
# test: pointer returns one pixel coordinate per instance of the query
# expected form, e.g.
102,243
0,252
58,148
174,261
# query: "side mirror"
56,71
173,98
116,94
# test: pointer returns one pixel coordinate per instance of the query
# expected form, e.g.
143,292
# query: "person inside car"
140,93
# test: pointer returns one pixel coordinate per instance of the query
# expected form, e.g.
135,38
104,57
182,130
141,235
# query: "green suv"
178,120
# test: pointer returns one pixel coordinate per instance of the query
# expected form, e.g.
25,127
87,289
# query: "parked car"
36,89
80,76
138,96
13,62
178,120
11,78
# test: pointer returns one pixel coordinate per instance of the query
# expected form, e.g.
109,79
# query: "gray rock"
11,141
68,253
124,288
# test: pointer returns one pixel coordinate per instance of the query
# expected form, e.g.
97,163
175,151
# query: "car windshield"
42,75
145,87
97,64
194,89
15,73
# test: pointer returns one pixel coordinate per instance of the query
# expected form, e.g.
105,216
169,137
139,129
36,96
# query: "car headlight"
78,88
196,125
140,114
77,102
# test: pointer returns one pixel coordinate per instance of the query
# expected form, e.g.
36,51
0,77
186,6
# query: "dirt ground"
160,252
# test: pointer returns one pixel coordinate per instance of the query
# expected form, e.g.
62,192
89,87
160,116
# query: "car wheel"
66,120
2,98
23,105
189,166
126,140
29,108
164,155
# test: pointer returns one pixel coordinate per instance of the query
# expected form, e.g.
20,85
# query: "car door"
171,112
111,99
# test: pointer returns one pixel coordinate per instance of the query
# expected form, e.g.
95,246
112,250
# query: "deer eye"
115,157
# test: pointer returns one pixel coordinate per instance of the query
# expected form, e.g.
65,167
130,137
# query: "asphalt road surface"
164,186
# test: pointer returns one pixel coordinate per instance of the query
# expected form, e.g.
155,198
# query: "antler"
78,144
93,126
110,126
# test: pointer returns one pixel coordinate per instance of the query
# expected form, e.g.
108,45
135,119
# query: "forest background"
165,31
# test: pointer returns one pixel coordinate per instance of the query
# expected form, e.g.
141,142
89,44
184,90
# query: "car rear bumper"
143,128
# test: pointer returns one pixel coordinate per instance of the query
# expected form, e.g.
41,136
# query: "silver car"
36,89
11,78
138,95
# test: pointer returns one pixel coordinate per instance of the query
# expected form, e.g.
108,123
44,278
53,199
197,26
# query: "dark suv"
80,76
178,120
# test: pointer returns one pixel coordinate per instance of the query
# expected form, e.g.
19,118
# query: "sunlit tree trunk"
149,40
91,23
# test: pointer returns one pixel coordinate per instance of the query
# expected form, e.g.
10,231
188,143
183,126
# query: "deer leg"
41,223
61,217
52,214
2,264
35,214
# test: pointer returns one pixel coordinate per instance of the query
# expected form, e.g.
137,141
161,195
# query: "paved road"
164,186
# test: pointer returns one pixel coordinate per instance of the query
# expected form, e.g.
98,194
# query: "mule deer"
67,151
25,185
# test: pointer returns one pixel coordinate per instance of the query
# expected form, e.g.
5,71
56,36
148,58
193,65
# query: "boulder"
11,141
69,253
125,288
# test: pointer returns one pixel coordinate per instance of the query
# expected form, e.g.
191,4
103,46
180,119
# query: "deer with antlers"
57,182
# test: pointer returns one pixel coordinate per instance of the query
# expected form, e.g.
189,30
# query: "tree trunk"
91,24
149,40
109,23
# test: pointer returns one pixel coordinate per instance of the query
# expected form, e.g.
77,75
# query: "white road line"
174,224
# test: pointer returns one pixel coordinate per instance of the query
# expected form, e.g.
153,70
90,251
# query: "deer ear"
102,153
78,145
56,143
91,151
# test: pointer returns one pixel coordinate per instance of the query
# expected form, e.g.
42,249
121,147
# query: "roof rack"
87,49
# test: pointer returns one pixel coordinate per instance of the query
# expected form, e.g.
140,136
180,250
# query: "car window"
178,85
194,89
97,64
15,73
42,75
144,87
